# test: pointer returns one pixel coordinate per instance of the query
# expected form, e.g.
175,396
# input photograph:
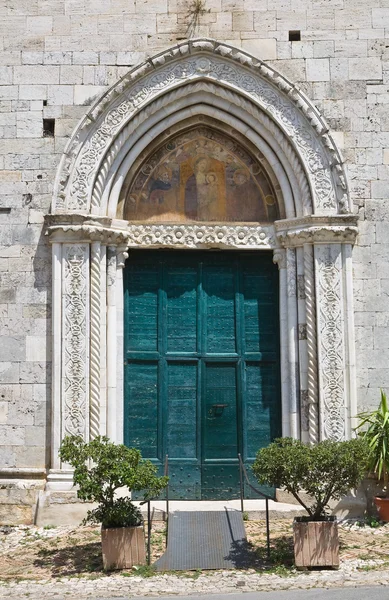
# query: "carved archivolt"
227,68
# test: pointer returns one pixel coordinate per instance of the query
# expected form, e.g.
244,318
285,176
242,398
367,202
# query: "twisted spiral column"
94,406
313,414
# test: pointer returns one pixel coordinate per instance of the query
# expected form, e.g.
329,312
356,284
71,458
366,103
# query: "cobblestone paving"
65,562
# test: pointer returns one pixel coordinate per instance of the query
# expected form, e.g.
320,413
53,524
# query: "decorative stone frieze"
160,236
201,236
331,340
75,338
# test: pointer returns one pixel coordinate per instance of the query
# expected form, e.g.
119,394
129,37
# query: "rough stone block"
365,68
33,74
318,69
13,514
243,21
86,94
262,49
29,125
37,349
380,18
12,348
60,94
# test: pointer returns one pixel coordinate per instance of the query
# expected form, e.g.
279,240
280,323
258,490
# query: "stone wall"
58,56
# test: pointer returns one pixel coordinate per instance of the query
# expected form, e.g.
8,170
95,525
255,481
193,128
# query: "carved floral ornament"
283,234
233,72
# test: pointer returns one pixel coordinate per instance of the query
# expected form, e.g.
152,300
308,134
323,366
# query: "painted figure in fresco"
160,185
202,193
198,177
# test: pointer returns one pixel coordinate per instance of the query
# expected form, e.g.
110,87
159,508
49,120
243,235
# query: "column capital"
317,229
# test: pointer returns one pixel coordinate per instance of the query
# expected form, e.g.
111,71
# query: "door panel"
219,307
181,420
220,438
141,414
201,365
181,308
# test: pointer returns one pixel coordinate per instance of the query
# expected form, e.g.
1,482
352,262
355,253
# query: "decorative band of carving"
328,274
94,407
164,235
75,335
310,305
200,236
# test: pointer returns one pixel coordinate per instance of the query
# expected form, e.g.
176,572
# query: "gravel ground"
65,562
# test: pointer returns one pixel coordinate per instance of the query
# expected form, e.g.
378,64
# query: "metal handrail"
149,520
243,472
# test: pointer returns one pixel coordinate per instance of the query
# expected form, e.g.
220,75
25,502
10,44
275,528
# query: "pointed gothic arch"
214,83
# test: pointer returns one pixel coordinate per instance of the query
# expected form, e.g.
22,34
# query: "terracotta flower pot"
123,547
316,543
382,505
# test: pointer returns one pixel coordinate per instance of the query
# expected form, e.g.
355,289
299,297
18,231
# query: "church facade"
194,255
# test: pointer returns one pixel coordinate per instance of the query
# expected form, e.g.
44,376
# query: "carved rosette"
75,340
328,263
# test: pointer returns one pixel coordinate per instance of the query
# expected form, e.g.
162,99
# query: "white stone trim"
103,340
349,333
311,324
111,344
95,340
331,341
279,258
56,395
302,346
291,293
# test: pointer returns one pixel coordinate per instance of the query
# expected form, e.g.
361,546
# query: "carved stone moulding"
201,236
65,228
311,229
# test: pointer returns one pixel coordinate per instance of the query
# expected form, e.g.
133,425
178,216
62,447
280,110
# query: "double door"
201,364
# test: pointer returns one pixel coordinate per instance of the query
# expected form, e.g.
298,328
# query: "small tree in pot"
374,429
325,471
100,469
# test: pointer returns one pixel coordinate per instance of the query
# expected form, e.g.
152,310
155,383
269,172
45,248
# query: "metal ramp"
204,540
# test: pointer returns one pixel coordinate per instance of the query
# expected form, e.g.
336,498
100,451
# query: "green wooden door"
201,364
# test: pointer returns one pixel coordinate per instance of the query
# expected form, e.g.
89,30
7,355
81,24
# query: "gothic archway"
205,83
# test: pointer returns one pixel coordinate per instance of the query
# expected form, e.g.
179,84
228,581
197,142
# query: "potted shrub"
100,469
374,428
322,472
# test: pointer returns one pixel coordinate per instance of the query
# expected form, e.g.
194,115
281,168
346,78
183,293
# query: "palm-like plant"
374,427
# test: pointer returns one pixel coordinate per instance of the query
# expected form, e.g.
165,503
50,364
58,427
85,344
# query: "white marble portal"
311,244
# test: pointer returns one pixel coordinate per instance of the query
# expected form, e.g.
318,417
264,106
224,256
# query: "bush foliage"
100,469
325,471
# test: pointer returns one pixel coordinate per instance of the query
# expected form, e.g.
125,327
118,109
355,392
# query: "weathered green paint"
201,364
